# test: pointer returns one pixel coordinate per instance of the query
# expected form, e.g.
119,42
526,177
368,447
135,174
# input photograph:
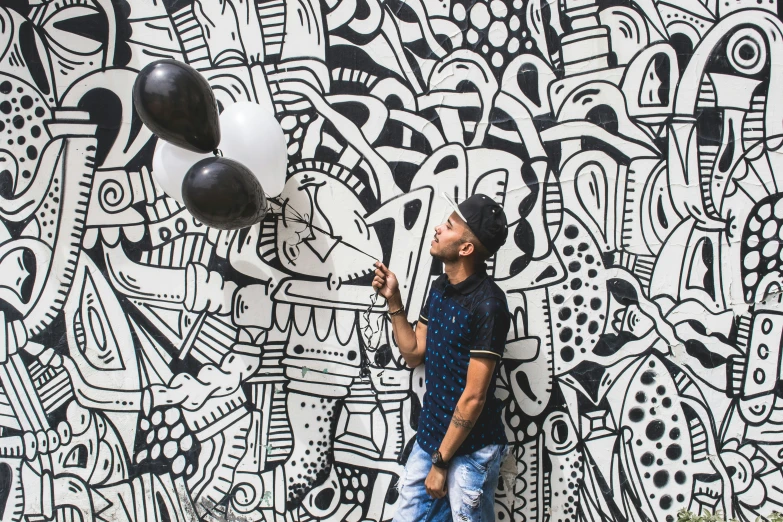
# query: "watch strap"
438,462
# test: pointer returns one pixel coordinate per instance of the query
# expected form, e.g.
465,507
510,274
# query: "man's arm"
467,411
411,343
413,353
470,405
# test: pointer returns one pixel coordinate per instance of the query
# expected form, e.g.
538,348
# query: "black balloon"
223,193
178,105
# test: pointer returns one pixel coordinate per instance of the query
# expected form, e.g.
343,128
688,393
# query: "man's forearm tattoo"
461,422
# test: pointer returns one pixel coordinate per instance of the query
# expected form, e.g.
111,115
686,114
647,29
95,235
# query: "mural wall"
153,369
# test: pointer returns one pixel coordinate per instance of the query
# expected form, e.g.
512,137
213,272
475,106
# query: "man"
453,468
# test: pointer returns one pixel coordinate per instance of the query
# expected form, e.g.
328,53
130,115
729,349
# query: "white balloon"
169,166
249,134
252,136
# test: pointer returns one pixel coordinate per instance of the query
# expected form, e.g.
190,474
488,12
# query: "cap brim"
454,206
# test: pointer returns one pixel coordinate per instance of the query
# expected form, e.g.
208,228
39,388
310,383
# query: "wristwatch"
438,462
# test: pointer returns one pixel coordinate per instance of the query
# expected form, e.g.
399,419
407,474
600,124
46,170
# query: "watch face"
435,458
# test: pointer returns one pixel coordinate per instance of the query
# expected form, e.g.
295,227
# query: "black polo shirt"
466,320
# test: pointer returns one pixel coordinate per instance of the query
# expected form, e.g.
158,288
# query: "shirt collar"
463,287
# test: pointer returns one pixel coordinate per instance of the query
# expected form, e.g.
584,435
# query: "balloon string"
368,331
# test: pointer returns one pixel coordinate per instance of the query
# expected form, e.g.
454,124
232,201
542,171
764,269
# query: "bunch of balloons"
225,188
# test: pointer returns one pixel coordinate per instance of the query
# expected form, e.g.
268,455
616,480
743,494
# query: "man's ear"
466,249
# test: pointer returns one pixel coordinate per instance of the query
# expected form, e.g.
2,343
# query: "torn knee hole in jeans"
470,504
471,498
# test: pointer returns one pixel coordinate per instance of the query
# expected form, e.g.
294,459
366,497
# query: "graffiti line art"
154,369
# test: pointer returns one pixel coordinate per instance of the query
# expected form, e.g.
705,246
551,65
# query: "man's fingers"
436,494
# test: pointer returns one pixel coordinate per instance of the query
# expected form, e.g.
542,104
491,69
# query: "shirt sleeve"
491,322
425,311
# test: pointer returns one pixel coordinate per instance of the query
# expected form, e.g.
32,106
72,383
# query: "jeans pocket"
482,458
477,465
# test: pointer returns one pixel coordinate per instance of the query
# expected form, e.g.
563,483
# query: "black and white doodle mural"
154,369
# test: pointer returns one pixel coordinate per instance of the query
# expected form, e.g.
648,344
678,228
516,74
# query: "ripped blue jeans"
471,485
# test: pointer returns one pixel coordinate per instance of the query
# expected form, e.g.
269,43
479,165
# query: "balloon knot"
218,153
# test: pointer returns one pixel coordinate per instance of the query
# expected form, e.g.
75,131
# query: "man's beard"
449,254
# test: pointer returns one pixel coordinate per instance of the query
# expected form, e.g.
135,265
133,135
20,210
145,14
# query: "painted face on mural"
309,238
24,261
94,452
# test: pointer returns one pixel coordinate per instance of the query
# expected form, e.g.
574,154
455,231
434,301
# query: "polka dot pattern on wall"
310,459
578,304
168,444
761,250
493,28
23,134
662,441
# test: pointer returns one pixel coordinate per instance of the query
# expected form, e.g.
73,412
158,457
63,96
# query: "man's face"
445,246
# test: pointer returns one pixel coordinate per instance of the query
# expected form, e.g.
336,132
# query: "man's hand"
385,282
411,343
435,483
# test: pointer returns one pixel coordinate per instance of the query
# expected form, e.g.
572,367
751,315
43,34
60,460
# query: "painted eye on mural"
33,52
746,51
82,26
655,88
527,80
19,269
701,274
592,190
77,457
93,331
